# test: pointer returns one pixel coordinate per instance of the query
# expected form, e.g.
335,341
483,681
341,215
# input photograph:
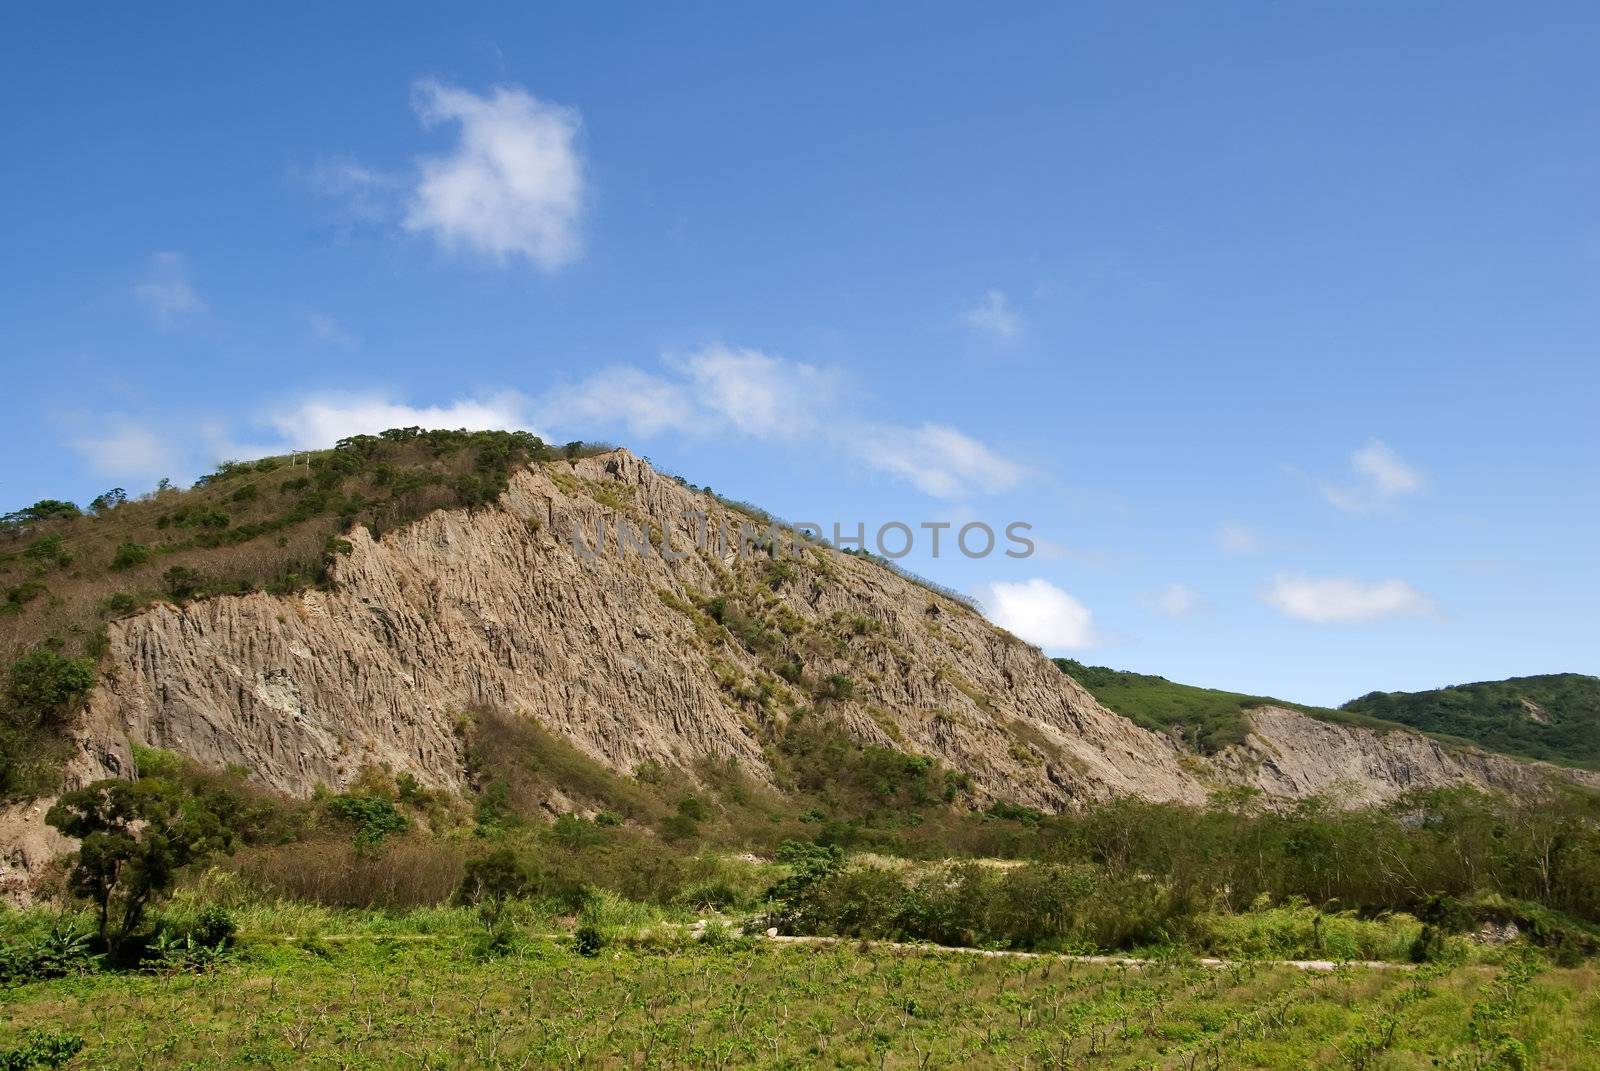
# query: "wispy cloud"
166,292
994,316
322,420
1097,560
717,390
727,390
1235,538
329,332
936,459
125,449
1178,600
1041,613
1342,600
1378,477
512,187
367,194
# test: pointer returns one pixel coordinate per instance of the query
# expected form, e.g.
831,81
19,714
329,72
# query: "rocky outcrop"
27,846
497,608
1290,755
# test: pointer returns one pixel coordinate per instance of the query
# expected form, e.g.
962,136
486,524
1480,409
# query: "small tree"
108,501
135,836
182,582
44,687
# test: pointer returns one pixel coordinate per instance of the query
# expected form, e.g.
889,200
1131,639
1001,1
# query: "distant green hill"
1209,719
1555,717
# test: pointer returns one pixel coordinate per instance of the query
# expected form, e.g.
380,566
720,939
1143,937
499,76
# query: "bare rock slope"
622,653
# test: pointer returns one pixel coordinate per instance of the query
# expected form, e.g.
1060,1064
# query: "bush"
62,950
44,688
49,551
182,583
588,941
129,555
837,686
41,1048
122,603
494,878
373,817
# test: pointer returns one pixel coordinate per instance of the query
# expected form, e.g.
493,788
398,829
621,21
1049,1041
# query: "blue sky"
1279,323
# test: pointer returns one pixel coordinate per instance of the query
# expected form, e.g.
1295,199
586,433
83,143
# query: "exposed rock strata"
494,607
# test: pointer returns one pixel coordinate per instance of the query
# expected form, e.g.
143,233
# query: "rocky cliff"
635,658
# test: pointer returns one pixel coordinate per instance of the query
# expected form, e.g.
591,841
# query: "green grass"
1555,717
433,994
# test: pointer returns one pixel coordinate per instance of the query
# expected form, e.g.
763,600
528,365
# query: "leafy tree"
42,510
135,836
44,687
108,501
495,878
182,582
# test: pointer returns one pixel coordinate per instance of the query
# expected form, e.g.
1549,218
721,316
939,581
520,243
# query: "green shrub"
495,878
62,950
373,817
588,941
837,686
41,1048
48,551
44,687
182,583
129,555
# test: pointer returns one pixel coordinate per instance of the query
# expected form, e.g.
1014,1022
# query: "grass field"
429,992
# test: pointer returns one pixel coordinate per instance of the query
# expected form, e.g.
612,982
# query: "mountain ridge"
1553,717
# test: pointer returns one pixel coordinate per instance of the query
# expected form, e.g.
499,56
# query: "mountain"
1554,717
388,603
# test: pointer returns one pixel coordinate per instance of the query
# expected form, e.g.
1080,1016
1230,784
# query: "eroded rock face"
496,608
1290,755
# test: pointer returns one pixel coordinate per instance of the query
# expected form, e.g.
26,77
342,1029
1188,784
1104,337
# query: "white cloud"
995,316
936,459
368,194
1179,600
1386,471
167,293
128,450
319,422
1041,613
761,396
1237,538
512,187
625,399
1344,600
1380,477
721,390
327,330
